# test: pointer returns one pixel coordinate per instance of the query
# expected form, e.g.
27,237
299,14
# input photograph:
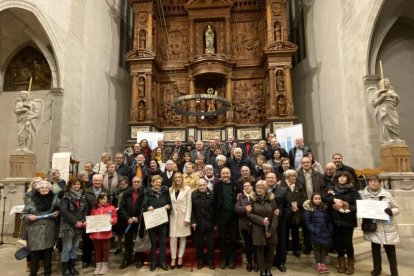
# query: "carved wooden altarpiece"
235,49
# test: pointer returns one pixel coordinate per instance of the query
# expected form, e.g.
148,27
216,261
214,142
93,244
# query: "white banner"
151,137
61,162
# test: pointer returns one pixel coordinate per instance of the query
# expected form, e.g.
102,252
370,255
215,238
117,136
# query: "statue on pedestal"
29,114
385,101
209,37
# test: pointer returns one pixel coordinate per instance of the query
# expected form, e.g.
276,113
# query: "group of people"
261,193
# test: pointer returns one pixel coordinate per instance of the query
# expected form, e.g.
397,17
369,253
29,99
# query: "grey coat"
42,233
386,231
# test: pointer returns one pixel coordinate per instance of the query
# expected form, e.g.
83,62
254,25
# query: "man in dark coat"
236,163
340,166
130,212
226,194
284,206
168,174
140,169
296,153
247,146
121,167
203,221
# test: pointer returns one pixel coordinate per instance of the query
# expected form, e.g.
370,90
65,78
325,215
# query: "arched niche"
28,63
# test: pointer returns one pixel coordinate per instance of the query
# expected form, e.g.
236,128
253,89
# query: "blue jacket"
319,223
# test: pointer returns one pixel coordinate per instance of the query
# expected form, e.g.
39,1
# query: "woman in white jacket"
386,232
180,218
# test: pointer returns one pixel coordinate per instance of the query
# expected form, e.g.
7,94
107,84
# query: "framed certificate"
155,217
373,209
98,223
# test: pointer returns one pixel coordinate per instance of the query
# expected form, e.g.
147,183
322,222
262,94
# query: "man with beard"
340,166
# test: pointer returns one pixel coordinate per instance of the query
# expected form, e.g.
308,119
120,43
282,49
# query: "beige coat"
386,231
180,212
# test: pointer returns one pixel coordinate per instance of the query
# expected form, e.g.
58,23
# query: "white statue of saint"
209,37
29,114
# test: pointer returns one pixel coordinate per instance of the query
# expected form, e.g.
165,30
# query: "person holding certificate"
386,232
180,218
40,214
101,238
157,197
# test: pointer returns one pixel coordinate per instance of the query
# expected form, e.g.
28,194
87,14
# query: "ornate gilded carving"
247,40
141,87
141,110
28,63
171,91
175,47
281,105
278,32
289,107
277,9
142,39
248,101
142,18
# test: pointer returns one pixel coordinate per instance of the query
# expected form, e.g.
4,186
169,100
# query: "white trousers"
173,247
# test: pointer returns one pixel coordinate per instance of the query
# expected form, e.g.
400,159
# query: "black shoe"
211,265
71,265
124,265
256,267
153,267
139,264
307,251
65,269
164,267
375,273
263,273
232,265
296,254
85,265
282,268
249,267
118,251
268,272
200,264
223,264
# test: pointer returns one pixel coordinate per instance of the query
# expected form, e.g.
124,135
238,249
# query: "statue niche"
141,110
209,40
281,105
141,87
278,31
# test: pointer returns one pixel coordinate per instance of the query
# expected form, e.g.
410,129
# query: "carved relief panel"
249,100
170,91
248,41
173,48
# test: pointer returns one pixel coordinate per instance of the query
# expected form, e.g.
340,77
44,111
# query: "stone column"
191,38
134,96
148,96
228,35
191,90
229,96
269,30
149,32
288,83
272,94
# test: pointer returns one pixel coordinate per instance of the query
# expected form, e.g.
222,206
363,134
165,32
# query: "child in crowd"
101,239
319,223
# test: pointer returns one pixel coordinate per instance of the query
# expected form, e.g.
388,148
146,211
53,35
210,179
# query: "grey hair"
221,157
238,149
43,182
289,173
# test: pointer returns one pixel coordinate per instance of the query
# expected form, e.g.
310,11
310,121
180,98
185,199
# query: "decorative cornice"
139,54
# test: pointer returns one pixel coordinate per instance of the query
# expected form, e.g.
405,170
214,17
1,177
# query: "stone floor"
9,266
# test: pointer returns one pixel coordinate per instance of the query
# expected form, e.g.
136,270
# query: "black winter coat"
350,195
70,213
151,198
319,223
283,202
125,210
203,211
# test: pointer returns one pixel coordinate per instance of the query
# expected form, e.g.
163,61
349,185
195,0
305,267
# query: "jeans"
70,247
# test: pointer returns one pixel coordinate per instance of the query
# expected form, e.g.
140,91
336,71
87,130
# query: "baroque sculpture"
209,37
385,102
280,82
29,114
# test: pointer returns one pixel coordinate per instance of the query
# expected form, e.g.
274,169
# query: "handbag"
369,225
142,244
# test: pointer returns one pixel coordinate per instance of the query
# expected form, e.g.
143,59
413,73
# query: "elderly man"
168,174
226,193
130,212
199,150
121,168
91,195
235,164
89,170
210,178
140,169
296,153
246,176
330,170
133,156
284,206
340,166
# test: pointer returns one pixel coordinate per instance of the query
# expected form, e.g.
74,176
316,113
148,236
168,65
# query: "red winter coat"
102,210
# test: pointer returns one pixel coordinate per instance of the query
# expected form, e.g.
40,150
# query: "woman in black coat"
344,195
130,214
203,220
157,197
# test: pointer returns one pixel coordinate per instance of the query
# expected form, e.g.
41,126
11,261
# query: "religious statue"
281,106
141,111
385,102
142,40
280,82
209,37
211,105
278,31
141,87
29,114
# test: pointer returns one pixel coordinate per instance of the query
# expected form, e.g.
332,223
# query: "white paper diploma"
98,223
156,217
373,209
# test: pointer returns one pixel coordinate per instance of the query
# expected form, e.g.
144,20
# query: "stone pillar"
288,84
23,165
149,31
134,96
228,35
148,96
229,96
191,42
395,158
272,95
269,30
191,90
